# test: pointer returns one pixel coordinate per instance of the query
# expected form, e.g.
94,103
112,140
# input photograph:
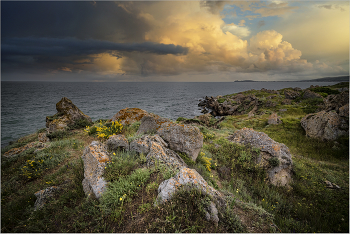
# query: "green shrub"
324,90
80,123
121,165
58,135
187,159
180,119
274,162
106,130
91,130
221,100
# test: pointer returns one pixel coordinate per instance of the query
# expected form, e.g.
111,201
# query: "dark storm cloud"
82,20
73,46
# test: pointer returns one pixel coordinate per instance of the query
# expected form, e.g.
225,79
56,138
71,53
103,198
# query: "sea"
25,105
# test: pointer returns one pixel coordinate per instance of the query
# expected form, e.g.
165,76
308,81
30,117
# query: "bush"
58,135
274,162
221,100
80,123
326,90
106,130
91,130
187,159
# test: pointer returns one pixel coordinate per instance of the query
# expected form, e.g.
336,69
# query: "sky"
196,41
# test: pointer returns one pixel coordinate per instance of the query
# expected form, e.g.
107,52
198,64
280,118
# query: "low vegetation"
307,205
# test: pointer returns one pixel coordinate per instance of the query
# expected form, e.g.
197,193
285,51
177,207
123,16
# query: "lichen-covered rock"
335,101
167,157
324,125
143,144
183,138
205,118
309,94
95,158
344,111
43,138
129,115
15,151
117,142
279,174
151,123
291,94
190,178
67,114
42,196
274,119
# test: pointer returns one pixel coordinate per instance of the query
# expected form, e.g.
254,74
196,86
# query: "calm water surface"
25,105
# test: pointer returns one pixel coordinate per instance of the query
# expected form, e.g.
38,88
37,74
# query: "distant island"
325,79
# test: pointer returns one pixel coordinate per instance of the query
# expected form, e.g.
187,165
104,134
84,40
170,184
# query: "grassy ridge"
306,206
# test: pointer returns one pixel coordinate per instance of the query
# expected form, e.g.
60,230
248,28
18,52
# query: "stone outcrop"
43,138
335,101
117,142
190,178
15,151
291,94
324,125
162,155
309,94
43,196
95,159
67,114
151,123
183,138
129,115
205,119
344,111
143,144
274,119
279,175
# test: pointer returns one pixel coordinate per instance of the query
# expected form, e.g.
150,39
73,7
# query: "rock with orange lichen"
15,151
159,154
183,138
151,123
43,138
67,114
279,175
190,178
95,159
129,115
115,142
143,144
324,125
274,119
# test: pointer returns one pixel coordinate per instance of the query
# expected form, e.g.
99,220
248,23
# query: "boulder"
274,119
279,174
309,94
344,111
162,155
95,159
117,142
205,119
15,151
291,94
129,115
67,114
43,138
324,125
190,179
42,196
183,138
143,144
151,123
335,101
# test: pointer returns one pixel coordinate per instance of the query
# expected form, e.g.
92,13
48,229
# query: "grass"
128,205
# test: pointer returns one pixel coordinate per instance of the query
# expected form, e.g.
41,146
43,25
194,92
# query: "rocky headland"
260,161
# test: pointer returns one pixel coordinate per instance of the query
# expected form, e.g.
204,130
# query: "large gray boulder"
291,94
324,125
278,174
158,154
190,178
95,159
183,138
143,144
115,142
151,123
67,114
